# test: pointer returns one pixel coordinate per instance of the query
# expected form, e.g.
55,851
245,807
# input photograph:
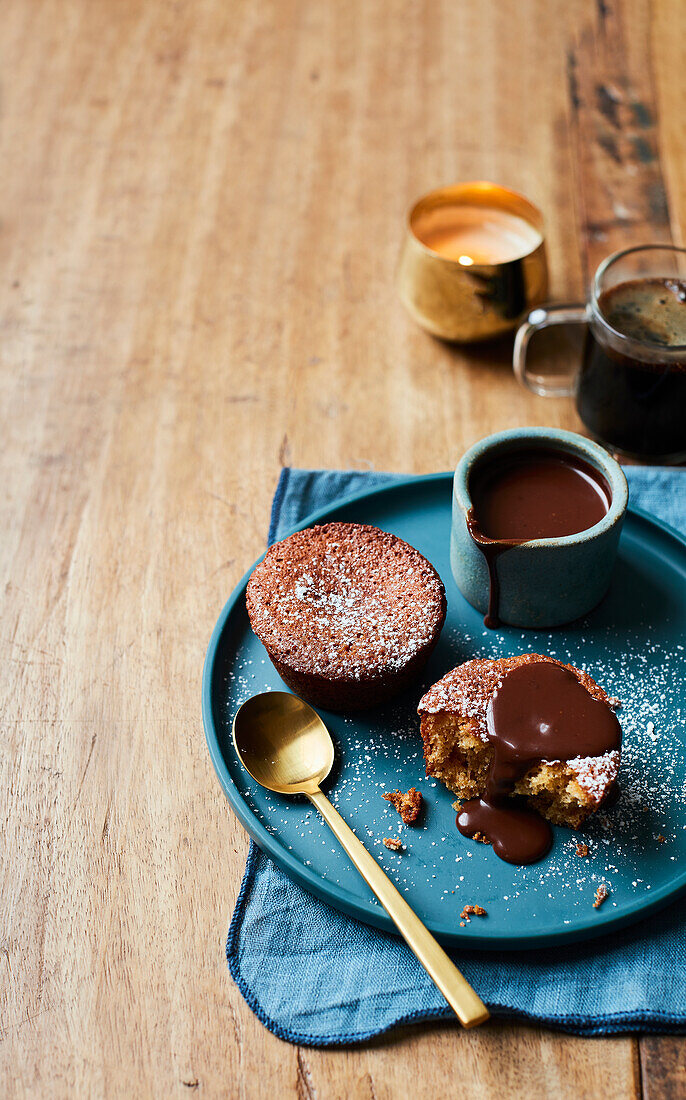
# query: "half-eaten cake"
458,751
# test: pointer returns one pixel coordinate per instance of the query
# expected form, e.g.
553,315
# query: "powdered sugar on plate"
633,646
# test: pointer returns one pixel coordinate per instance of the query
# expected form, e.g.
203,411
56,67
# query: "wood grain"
614,126
663,1068
202,206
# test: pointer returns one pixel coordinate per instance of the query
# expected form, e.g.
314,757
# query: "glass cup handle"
542,318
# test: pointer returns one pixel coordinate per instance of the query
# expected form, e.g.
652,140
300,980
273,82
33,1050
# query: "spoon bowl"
283,743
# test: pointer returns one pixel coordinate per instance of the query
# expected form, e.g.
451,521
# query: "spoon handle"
454,987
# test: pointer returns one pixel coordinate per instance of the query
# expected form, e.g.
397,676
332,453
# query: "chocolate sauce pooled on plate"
531,494
539,713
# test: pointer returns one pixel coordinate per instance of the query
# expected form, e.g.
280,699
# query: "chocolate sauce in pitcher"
531,494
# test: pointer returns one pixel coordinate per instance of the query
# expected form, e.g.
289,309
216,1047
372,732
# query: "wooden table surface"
201,208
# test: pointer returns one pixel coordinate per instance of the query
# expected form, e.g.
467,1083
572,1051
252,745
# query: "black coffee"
632,404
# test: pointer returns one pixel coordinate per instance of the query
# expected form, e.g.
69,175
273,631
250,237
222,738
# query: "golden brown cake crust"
347,613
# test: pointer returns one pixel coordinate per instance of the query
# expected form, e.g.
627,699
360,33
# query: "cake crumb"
662,839
394,843
481,837
408,805
601,895
471,911
582,850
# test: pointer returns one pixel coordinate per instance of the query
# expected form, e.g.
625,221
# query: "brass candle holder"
473,262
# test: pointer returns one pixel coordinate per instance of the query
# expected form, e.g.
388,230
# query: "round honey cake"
347,613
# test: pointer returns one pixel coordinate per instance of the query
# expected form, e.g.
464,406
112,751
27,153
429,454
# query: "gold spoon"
286,747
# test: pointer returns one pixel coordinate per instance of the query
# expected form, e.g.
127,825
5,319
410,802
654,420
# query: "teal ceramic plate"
633,644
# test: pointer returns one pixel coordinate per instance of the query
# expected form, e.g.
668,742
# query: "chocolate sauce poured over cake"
531,494
540,712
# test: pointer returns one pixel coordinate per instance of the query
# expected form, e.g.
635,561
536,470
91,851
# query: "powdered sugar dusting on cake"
345,601
467,691
595,773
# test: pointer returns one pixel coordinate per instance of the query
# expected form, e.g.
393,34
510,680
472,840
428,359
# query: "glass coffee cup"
630,387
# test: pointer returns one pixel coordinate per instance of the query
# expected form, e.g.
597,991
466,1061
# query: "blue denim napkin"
316,977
